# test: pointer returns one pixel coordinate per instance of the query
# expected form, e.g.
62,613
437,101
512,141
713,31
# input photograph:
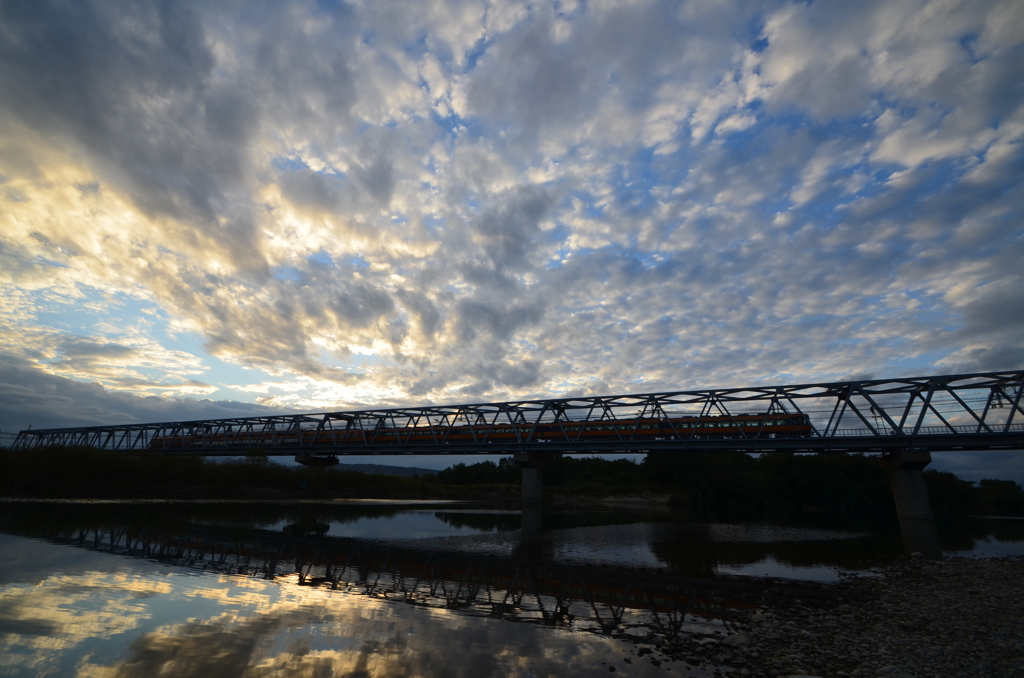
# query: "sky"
227,208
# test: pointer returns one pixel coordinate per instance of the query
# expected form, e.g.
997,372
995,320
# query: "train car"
569,431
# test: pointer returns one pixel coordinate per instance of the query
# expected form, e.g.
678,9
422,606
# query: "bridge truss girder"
950,412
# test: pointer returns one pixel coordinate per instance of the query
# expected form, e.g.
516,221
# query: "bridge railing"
967,429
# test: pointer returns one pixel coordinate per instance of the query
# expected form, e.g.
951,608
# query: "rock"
736,640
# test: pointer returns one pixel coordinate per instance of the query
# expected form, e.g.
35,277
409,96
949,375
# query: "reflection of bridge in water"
609,601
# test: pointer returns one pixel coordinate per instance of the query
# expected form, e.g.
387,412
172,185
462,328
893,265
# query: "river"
374,588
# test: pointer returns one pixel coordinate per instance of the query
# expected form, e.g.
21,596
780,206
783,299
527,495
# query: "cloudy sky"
222,207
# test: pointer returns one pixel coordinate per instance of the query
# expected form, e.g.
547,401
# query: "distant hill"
385,470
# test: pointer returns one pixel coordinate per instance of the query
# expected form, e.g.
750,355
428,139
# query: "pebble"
950,618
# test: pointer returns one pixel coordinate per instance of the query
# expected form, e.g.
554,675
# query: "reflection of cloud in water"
172,623
769,567
235,592
310,632
766,533
61,612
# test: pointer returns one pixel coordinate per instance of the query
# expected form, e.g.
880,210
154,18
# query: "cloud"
318,205
975,466
29,396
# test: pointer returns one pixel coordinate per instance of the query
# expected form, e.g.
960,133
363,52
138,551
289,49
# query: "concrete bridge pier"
917,522
532,464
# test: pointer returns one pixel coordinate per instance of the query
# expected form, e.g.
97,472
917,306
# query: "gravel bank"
950,618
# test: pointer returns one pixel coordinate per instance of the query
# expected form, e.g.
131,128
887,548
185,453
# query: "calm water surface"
379,589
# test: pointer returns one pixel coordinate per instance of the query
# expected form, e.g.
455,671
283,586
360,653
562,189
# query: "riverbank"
953,617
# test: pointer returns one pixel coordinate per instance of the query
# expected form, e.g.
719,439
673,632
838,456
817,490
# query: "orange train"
739,426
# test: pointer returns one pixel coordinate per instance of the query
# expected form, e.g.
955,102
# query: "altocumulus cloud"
306,205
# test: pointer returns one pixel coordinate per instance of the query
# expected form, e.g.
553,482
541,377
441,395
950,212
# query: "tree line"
846,489
849,489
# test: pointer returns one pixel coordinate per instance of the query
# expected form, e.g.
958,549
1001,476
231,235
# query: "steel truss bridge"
936,413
